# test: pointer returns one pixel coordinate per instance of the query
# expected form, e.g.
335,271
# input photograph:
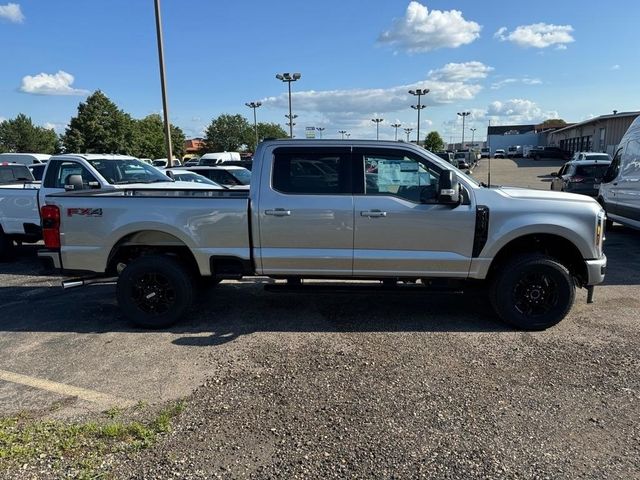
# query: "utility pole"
163,86
254,106
377,122
418,93
396,126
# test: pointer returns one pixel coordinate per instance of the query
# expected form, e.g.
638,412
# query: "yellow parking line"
102,399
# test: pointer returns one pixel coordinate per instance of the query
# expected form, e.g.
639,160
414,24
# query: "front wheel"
154,291
533,292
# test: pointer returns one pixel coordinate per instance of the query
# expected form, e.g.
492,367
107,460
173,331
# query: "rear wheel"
154,291
533,292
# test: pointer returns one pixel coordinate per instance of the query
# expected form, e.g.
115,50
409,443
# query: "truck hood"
531,194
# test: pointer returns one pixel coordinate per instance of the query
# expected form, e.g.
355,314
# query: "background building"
506,136
599,134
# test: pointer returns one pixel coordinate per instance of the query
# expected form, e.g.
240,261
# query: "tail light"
576,179
50,226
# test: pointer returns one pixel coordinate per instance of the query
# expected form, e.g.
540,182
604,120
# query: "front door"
400,230
306,213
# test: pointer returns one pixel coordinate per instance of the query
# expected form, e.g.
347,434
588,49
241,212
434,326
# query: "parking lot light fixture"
342,132
377,121
320,129
473,135
348,135
288,78
254,106
408,132
418,92
396,126
463,115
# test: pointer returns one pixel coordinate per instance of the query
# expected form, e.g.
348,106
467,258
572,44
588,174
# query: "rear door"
306,212
400,230
628,188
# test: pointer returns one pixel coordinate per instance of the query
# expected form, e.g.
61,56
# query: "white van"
619,192
24,158
209,159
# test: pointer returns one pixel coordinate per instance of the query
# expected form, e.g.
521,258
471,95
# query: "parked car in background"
485,152
500,153
551,153
578,156
620,190
162,163
181,175
514,151
192,162
37,170
231,177
462,159
580,176
209,159
14,173
24,158
530,151
448,157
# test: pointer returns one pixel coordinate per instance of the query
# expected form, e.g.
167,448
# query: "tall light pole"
320,129
254,106
163,86
463,115
288,78
418,93
408,131
348,135
342,132
396,126
377,121
473,136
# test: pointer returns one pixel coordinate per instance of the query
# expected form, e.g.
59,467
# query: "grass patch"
80,446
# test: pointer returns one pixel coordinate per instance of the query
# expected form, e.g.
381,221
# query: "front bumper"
596,270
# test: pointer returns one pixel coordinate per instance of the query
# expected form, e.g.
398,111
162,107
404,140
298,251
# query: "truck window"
311,172
395,174
59,172
631,160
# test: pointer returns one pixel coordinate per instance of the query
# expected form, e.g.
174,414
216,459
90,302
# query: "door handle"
373,213
615,183
278,212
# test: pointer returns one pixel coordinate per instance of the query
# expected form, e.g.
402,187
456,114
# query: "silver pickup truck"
324,209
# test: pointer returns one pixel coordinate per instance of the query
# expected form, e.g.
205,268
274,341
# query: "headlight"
599,239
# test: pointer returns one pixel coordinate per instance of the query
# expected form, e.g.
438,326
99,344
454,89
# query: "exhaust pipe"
68,284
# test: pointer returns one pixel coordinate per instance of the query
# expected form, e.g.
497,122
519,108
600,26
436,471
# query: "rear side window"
59,172
319,172
13,173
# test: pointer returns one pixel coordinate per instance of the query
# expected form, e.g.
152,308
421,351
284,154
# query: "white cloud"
518,110
50,84
538,35
615,67
461,72
11,12
509,81
421,30
55,126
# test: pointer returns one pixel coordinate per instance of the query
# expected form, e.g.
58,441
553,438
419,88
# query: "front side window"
394,173
631,168
614,168
311,172
121,171
59,174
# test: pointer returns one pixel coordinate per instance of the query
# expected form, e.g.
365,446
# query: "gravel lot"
348,386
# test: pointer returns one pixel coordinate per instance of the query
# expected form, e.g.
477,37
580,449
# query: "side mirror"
73,183
554,174
169,174
448,188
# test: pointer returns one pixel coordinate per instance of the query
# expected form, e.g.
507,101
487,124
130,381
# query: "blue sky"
510,62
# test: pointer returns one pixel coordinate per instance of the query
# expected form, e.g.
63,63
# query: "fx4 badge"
84,212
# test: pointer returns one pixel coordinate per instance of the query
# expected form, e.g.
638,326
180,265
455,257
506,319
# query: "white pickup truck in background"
20,202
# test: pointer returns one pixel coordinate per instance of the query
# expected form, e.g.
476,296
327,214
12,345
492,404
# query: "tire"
6,247
154,291
532,292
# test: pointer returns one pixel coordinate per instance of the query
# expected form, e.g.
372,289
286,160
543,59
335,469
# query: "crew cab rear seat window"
311,172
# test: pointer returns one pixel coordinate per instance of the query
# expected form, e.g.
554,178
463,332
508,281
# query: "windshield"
591,171
119,172
242,174
194,177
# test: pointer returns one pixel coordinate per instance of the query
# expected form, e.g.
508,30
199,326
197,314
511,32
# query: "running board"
356,288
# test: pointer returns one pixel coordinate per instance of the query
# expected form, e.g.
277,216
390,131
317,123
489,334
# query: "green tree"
148,138
433,142
20,135
270,130
99,127
228,133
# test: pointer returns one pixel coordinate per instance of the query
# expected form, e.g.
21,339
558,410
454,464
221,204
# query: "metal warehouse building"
600,134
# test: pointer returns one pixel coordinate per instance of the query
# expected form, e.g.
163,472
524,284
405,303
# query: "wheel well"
150,242
555,246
